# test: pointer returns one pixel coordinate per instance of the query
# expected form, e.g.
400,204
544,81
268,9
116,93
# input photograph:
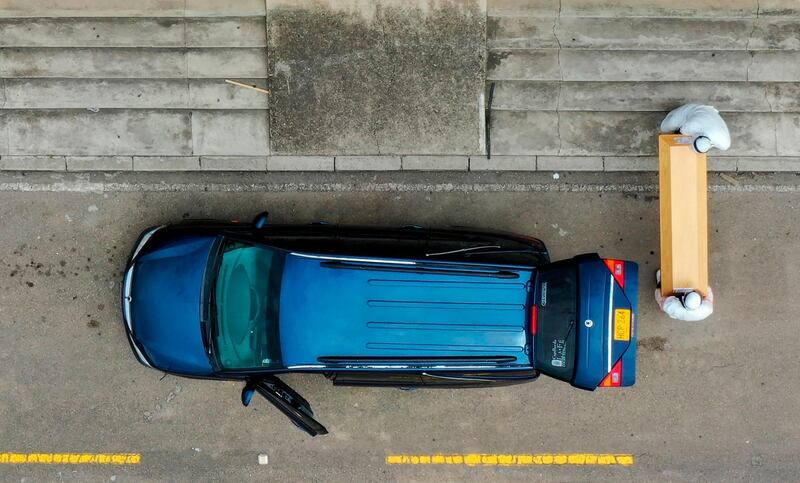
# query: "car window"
556,300
245,306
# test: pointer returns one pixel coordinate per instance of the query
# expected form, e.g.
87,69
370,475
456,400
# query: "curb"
453,163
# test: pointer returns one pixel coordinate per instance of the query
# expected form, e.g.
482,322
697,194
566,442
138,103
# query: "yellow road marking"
71,458
476,459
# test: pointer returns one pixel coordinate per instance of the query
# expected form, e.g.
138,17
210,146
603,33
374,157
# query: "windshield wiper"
209,319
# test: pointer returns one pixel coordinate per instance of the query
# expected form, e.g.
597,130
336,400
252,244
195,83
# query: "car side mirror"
260,221
247,393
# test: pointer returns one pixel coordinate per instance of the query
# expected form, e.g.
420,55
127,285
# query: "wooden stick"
247,86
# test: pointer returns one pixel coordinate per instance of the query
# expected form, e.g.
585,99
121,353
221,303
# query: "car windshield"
245,306
554,347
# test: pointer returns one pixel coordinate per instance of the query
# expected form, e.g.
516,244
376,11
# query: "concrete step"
631,65
645,96
133,132
133,32
645,8
132,62
630,133
643,33
130,8
130,93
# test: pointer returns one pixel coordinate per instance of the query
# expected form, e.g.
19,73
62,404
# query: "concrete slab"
92,63
166,163
99,8
788,8
605,65
226,32
659,8
718,163
3,133
131,94
217,94
233,163
524,132
538,8
91,32
32,163
435,163
213,63
787,134
569,163
520,33
367,163
665,96
586,133
542,65
776,33
502,163
650,33
526,95
99,93
376,77
230,133
776,66
101,133
215,8
630,163
300,163
769,164
99,163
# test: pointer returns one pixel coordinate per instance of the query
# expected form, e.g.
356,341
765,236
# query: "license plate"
622,324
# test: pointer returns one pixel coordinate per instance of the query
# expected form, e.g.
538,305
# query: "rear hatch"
584,321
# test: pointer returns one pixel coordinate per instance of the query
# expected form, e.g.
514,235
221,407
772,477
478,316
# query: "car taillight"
534,319
617,268
614,378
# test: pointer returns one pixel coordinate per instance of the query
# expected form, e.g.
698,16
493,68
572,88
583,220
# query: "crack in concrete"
766,98
750,40
8,124
775,133
560,76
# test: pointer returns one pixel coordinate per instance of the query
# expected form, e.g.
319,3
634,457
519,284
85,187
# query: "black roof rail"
418,268
417,359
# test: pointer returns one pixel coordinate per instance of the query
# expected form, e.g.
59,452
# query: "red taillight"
534,319
614,378
617,268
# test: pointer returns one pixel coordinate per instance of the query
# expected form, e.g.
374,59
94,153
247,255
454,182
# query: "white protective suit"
699,121
674,308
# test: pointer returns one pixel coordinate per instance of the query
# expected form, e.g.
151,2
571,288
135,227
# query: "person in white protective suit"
701,122
691,306
709,130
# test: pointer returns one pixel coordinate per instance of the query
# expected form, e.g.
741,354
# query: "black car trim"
415,360
340,265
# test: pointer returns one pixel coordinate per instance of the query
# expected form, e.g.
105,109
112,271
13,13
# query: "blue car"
406,307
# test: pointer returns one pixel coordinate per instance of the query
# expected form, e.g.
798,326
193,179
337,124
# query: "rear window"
554,343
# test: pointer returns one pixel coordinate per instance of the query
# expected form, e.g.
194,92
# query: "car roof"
382,313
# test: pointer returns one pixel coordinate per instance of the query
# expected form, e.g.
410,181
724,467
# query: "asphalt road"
715,400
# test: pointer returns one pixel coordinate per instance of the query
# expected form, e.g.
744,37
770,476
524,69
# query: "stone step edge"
287,163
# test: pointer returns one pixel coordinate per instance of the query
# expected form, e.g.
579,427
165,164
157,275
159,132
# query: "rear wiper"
569,329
